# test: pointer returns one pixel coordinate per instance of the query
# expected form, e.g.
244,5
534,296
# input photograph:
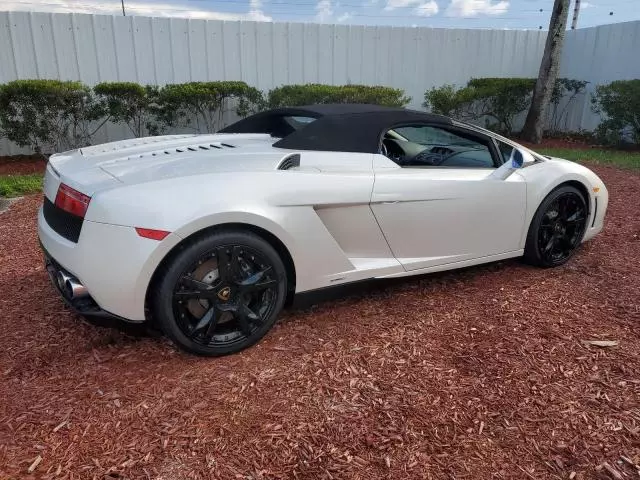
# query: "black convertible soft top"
337,127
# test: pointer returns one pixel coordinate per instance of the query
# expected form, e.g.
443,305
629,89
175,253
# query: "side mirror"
519,158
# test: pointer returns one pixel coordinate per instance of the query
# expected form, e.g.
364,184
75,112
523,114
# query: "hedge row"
54,115
499,101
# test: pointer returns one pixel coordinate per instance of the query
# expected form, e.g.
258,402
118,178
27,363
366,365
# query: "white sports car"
209,235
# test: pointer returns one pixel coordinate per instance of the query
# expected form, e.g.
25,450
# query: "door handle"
391,203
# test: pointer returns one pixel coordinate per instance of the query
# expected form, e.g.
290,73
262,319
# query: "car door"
444,205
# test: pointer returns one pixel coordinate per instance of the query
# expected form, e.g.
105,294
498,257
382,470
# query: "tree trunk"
548,73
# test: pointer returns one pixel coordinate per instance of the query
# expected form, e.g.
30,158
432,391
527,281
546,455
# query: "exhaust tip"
62,279
75,289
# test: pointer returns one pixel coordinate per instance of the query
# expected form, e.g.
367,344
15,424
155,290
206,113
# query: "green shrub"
619,102
48,114
309,94
204,103
501,99
498,101
565,88
131,104
449,100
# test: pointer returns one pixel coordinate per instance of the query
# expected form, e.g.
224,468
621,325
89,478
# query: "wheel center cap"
558,227
224,294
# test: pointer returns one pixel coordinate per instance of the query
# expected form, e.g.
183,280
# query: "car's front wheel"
557,228
221,293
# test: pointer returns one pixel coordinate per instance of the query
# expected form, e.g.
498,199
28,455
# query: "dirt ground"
474,374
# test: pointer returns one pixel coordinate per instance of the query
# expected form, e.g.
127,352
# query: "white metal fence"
95,48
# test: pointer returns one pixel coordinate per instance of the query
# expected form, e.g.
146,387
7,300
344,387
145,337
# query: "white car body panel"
341,216
450,214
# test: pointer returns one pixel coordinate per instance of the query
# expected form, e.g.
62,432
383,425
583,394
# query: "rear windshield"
298,122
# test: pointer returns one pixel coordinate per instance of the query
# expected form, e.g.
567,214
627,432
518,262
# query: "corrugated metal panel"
599,55
95,48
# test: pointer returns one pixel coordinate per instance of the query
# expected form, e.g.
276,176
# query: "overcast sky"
430,13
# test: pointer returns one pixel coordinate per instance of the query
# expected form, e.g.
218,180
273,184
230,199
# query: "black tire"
212,311
557,228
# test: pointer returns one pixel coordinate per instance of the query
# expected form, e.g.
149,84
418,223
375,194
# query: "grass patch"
617,158
17,185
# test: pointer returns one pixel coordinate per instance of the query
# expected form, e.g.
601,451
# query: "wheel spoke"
258,287
550,244
250,314
208,320
213,323
188,294
188,281
577,217
255,282
562,208
243,319
228,263
563,244
195,289
224,263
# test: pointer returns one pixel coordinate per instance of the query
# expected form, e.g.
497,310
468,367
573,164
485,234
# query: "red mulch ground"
22,164
473,374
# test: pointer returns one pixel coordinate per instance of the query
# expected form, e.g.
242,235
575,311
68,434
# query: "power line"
148,10
234,12
342,5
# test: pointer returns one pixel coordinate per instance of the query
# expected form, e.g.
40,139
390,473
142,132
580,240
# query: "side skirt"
454,265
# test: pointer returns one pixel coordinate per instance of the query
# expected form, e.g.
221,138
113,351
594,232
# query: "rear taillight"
72,201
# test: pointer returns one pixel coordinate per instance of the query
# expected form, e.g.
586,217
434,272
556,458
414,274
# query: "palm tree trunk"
548,73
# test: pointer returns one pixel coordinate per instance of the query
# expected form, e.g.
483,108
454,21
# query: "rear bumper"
85,305
111,261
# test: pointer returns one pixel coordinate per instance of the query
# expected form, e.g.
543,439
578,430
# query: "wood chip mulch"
486,373
22,164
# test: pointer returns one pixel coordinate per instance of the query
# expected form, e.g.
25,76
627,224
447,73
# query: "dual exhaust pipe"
71,287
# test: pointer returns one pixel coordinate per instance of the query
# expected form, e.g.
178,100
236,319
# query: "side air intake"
290,162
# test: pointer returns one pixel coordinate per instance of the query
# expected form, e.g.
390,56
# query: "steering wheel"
427,157
383,149
394,152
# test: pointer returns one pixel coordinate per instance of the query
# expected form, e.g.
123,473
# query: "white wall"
95,48
599,55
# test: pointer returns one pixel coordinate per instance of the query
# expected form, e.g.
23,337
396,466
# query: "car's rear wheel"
557,228
221,293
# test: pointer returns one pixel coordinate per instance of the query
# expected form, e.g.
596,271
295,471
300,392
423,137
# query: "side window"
505,151
434,146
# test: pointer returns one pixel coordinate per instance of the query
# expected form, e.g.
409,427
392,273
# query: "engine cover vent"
189,148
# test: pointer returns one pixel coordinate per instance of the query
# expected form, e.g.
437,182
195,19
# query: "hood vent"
292,161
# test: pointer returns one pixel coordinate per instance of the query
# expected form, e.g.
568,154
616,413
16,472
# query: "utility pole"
576,11
124,14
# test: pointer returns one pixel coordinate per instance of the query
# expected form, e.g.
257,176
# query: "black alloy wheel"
557,228
221,294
